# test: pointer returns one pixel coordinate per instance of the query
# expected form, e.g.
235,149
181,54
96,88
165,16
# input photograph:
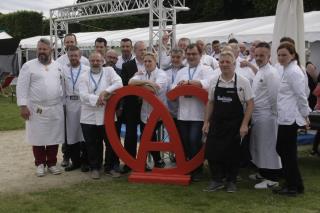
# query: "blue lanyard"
74,81
95,83
191,75
174,75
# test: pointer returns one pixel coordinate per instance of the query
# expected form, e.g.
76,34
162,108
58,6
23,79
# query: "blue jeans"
191,135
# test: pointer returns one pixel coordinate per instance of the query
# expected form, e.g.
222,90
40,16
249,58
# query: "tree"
22,24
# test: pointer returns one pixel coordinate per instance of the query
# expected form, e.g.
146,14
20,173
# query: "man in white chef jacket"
39,96
95,87
207,59
263,138
74,138
70,40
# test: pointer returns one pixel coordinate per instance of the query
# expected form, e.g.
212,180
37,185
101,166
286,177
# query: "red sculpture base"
149,177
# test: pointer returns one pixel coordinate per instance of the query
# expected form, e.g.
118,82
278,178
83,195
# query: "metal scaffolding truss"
161,13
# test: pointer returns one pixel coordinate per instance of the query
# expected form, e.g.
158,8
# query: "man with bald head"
206,59
111,60
96,86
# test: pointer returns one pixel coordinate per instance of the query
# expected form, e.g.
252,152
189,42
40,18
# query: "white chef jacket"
39,87
263,138
165,60
279,69
215,55
110,81
209,61
265,88
191,108
71,76
246,72
122,61
292,103
159,77
64,60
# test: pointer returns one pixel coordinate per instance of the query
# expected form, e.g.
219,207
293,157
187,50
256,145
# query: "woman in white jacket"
293,111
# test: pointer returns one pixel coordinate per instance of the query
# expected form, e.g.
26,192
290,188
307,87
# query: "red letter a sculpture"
176,175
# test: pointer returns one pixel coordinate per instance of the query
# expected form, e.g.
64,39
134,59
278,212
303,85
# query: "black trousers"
316,142
111,159
131,137
287,150
78,153
220,170
94,136
155,154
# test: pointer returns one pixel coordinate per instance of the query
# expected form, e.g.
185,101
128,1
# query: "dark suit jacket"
132,104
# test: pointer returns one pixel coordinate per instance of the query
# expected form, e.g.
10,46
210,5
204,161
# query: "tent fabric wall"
4,35
246,30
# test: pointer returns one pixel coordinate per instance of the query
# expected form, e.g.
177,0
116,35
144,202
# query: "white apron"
73,112
45,125
264,139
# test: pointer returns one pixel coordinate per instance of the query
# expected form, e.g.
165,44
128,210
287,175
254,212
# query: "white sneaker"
256,176
266,184
54,170
40,170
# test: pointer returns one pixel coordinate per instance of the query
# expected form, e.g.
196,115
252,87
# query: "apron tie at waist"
48,102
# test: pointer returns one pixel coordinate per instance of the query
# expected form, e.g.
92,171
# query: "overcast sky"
8,6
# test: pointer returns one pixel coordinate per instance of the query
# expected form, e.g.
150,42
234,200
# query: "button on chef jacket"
192,109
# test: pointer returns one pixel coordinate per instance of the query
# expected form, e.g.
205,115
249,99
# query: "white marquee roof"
246,30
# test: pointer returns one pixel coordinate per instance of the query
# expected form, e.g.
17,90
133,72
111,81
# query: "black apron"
223,141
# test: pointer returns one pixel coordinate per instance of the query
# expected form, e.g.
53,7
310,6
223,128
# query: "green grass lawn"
9,115
120,196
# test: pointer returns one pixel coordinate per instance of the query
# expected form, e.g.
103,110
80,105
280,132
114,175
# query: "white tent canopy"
246,30
4,35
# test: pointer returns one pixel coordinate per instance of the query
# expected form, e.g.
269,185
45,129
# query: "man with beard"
96,86
70,40
263,138
39,96
74,137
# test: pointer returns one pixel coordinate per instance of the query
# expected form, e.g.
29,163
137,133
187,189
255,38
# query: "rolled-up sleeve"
115,81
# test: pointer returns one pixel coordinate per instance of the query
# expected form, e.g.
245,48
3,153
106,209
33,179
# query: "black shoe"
231,187
65,162
285,191
125,170
160,164
85,168
214,186
71,167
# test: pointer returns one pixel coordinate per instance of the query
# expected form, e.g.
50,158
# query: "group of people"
250,101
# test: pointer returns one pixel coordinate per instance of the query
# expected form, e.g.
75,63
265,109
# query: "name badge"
74,97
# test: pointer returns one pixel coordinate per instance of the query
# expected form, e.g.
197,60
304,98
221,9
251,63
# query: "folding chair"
5,82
